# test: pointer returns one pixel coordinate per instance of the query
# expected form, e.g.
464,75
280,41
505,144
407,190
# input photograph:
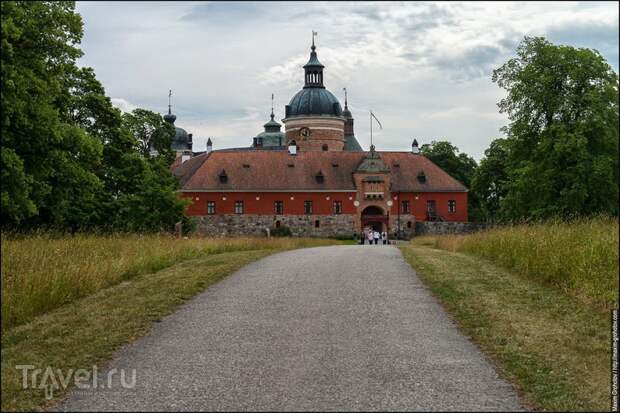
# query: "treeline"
560,154
69,159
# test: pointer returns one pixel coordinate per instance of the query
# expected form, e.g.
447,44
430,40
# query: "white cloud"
424,68
122,104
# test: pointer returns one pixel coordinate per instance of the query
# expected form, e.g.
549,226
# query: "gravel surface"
329,328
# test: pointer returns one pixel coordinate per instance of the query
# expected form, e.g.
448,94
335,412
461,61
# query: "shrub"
281,231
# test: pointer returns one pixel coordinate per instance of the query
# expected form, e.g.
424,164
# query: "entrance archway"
374,217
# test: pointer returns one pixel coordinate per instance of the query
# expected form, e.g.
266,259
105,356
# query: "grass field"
536,299
578,257
40,273
93,294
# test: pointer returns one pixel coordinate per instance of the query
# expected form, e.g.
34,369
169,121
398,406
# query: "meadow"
43,272
535,298
579,257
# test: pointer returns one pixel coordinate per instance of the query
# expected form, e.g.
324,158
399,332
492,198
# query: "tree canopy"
561,151
69,159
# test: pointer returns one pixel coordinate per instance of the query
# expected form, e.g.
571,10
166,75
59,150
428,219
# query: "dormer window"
421,177
335,165
223,177
246,165
320,178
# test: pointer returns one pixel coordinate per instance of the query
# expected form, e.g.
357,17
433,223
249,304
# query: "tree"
153,135
68,158
46,161
489,180
445,155
562,104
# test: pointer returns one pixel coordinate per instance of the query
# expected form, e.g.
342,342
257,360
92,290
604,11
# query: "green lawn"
88,330
551,345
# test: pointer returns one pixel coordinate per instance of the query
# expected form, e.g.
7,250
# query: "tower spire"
272,115
346,106
313,69
169,117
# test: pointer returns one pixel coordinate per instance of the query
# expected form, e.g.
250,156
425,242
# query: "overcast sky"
423,68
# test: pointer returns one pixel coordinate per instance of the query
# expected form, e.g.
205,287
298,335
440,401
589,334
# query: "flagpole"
371,128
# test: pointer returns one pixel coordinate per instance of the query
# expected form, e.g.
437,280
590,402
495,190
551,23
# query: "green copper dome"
313,99
313,102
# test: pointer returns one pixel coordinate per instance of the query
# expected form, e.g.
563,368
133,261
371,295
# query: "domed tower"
313,118
182,141
272,136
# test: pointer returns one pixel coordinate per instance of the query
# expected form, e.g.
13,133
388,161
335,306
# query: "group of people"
373,236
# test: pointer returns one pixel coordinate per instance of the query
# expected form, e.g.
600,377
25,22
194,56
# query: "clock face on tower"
304,132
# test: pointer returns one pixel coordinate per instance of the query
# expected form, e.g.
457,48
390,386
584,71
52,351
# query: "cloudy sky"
423,68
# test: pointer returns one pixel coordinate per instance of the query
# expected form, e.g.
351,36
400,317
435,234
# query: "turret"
209,145
414,147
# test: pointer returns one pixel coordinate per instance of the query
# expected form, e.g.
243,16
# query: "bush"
281,231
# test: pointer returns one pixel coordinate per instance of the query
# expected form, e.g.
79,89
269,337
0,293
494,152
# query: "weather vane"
345,96
314,34
169,100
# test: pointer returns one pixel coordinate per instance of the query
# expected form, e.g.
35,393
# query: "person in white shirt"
384,237
376,236
369,235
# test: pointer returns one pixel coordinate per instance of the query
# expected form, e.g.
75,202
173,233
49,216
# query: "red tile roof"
278,170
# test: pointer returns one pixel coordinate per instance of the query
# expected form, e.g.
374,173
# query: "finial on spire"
345,97
272,115
313,34
169,102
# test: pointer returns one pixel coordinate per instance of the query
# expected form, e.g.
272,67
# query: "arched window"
277,224
317,223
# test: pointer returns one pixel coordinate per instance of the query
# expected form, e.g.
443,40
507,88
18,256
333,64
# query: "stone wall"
407,226
439,228
251,224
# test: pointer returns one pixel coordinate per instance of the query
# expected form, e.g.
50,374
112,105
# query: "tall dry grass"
579,256
43,272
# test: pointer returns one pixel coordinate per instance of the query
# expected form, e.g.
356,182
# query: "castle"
314,177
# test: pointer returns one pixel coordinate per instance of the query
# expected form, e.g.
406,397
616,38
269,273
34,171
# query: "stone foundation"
407,226
440,228
256,225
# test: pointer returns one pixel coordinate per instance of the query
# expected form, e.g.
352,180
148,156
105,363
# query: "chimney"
209,145
185,157
190,143
414,147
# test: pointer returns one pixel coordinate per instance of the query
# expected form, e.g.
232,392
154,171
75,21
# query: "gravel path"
329,328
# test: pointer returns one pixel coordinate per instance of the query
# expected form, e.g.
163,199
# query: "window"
317,224
307,207
211,207
277,224
408,224
452,206
238,207
223,177
337,207
325,148
278,207
405,208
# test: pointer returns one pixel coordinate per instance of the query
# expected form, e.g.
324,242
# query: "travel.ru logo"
51,380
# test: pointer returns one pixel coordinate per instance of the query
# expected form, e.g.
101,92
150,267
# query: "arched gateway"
375,218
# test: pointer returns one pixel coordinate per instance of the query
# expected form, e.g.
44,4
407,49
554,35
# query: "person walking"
384,237
376,236
370,236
